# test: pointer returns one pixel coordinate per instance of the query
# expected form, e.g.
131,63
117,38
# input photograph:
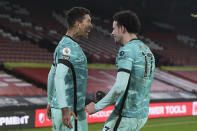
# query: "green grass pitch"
187,123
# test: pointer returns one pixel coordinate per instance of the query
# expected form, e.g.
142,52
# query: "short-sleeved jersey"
69,50
136,58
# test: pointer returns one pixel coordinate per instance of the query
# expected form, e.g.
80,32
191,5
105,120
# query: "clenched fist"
90,108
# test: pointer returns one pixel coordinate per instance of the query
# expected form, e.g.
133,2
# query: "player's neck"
128,37
74,35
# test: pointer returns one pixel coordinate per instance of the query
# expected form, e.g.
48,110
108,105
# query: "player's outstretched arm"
118,88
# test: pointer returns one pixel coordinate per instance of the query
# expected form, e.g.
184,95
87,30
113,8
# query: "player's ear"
122,28
77,24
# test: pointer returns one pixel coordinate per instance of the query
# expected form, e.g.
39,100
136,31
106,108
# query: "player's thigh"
126,124
56,119
57,124
82,125
131,124
123,125
141,123
110,123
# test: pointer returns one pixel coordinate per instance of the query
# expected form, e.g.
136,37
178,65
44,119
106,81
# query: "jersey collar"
70,38
133,39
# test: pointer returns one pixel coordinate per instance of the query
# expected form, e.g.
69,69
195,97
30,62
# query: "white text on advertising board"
14,120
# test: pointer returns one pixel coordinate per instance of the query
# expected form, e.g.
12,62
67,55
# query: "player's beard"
85,34
119,42
77,36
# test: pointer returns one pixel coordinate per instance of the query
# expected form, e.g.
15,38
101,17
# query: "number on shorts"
107,128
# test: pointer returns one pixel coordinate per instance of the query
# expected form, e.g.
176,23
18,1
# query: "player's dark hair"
76,14
129,20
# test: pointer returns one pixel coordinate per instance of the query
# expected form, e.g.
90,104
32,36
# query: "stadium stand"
188,75
41,29
46,33
176,52
176,81
22,51
103,80
12,86
38,75
26,35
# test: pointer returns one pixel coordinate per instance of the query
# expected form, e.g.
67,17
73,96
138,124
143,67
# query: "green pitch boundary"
178,68
10,65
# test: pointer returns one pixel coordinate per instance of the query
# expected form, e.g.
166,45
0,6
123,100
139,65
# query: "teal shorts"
57,124
126,123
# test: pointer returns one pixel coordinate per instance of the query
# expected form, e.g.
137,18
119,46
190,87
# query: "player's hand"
90,108
49,111
66,116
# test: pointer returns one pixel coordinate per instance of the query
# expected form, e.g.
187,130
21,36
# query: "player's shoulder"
127,49
124,53
68,43
141,45
67,48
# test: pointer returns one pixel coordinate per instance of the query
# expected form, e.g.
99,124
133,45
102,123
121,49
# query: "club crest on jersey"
121,53
66,51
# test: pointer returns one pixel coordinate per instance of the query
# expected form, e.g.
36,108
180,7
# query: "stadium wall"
18,119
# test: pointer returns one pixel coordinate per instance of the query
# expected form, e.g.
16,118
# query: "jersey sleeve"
50,84
117,90
63,98
66,57
68,52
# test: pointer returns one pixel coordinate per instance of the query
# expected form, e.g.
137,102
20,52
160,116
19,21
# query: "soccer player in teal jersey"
136,65
67,79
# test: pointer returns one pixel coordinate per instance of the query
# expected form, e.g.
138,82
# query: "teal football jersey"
136,57
70,52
